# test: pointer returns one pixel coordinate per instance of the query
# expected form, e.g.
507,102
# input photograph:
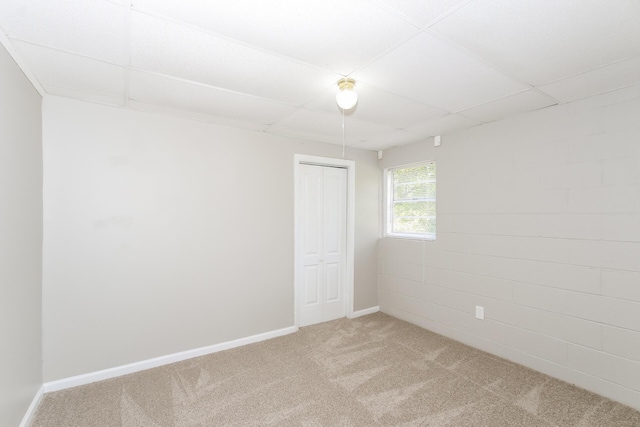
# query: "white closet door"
324,243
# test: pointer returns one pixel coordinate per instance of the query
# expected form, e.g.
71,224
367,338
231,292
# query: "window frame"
388,204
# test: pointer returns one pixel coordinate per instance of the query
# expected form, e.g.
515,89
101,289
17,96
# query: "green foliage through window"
412,200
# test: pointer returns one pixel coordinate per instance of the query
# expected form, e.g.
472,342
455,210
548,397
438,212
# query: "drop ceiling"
422,67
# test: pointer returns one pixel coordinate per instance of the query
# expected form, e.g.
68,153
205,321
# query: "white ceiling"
422,67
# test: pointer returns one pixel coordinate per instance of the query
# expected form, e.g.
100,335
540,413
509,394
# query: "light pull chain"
343,142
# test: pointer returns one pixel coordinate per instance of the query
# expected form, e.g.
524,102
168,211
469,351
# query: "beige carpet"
371,371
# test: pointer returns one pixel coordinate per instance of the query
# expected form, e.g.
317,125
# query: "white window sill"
408,236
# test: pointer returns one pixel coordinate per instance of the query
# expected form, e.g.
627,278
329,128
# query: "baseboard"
160,361
364,312
26,420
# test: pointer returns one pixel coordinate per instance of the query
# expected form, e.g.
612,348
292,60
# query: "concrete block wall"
538,221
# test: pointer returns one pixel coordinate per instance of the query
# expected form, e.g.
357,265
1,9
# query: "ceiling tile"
66,70
390,139
83,95
90,28
610,77
442,125
426,11
182,95
423,67
378,106
543,41
514,104
183,52
332,34
427,70
329,126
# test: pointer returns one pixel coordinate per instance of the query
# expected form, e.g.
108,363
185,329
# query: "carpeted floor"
371,371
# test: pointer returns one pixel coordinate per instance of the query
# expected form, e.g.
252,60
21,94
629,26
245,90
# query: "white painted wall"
20,242
539,222
163,235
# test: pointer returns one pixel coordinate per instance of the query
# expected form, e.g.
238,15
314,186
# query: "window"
411,201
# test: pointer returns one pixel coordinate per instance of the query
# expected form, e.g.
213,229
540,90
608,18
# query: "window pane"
401,209
411,190
431,226
412,195
416,182
415,225
409,225
419,173
414,217
404,209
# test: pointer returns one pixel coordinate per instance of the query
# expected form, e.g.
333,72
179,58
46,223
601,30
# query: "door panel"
332,282
312,278
323,225
311,285
332,211
334,242
312,214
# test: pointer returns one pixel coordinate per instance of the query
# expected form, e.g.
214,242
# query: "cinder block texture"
541,226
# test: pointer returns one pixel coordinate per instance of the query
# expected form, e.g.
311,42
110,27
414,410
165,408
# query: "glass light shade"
346,98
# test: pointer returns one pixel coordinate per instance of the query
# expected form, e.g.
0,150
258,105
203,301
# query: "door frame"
350,166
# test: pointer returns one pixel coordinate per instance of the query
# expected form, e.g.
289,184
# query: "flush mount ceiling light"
347,96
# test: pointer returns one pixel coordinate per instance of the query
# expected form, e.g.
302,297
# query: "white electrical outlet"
479,312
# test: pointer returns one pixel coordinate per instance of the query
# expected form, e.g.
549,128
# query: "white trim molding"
364,312
28,416
350,166
160,361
